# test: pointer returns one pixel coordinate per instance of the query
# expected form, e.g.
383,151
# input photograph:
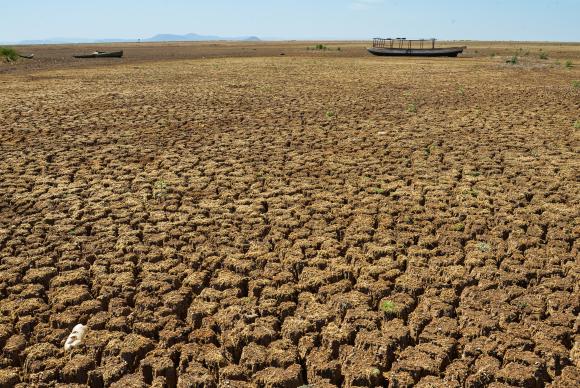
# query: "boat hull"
113,54
401,52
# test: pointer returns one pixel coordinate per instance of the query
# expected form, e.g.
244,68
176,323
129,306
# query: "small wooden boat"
102,54
29,56
404,47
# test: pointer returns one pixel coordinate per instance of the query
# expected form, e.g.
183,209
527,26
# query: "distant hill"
196,38
157,38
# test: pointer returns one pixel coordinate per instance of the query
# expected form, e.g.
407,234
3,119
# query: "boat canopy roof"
401,42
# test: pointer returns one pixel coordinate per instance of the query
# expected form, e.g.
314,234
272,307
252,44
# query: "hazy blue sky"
293,19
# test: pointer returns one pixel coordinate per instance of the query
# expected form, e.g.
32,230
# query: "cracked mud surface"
283,221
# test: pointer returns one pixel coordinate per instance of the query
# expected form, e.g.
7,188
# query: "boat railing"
402,43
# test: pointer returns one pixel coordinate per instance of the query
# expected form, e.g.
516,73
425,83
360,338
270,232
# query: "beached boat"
411,48
101,54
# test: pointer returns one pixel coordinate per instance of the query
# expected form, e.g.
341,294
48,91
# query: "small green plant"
543,55
159,189
378,190
577,124
492,55
472,192
330,114
8,54
461,90
483,247
459,227
474,173
576,84
387,306
513,60
412,108
338,49
568,64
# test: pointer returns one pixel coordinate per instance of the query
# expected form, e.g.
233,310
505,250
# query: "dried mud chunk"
554,354
373,343
208,355
112,369
262,332
397,332
197,378
5,333
77,369
486,368
233,373
400,379
200,309
425,359
280,378
457,371
76,277
134,347
362,318
70,296
154,366
436,382
40,275
570,378
9,378
254,358
282,354
37,354
398,305
21,308
311,279
440,328
322,366
130,381
177,302
521,375
294,328
333,337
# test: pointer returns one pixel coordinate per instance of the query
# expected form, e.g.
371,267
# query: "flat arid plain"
221,215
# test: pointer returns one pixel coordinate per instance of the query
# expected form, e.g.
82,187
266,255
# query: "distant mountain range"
157,38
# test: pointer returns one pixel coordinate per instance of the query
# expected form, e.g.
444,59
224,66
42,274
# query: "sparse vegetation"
159,190
483,247
387,306
412,108
459,227
568,64
577,124
8,54
576,84
543,55
330,114
513,60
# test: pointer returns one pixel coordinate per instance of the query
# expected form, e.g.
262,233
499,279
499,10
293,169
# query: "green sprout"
459,227
483,247
513,60
387,306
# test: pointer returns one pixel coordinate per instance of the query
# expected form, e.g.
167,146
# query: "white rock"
76,337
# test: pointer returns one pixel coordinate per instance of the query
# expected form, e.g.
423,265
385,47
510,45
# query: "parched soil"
319,219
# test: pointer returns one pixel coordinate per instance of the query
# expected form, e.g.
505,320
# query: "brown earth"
319,218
